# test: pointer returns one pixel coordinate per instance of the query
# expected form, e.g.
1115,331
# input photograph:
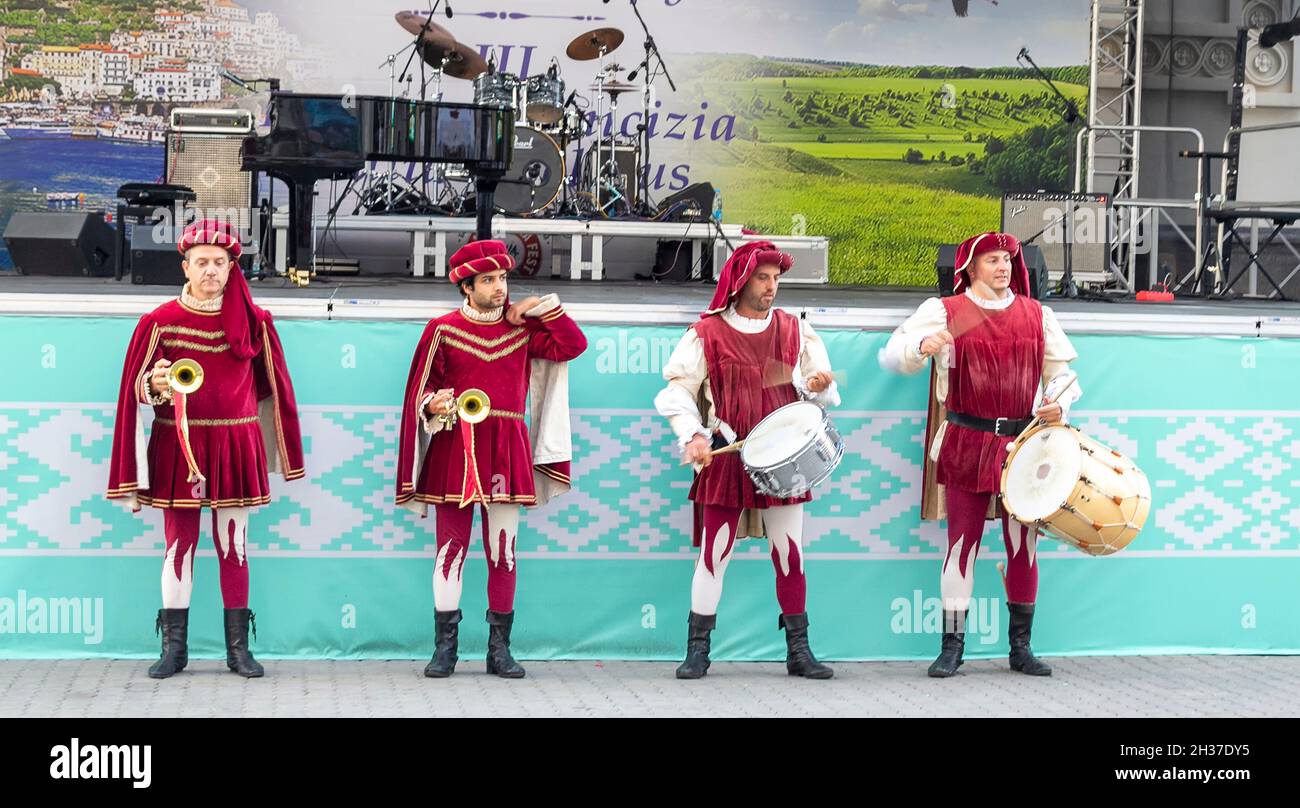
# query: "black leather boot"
1021,657
238,658
954,642
174,626
799,659
499,660
446,637
698,643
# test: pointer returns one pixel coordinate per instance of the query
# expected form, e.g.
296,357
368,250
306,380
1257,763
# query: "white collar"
996,305
481,316
192,302
746,325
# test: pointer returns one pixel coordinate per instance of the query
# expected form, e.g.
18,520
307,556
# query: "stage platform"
614,302
1199,394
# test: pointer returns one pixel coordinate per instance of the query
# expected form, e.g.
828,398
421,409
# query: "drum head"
536,172
1042,472
781,435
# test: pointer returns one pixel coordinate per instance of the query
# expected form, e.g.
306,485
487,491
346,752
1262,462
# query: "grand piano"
320,137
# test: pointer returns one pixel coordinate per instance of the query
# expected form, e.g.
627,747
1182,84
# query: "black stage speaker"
697,203
61,243
1039,285
673,262
154,259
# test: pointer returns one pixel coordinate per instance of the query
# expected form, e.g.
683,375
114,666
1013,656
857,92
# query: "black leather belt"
1002,427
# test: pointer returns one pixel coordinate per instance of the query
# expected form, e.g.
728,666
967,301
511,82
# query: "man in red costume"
512,353
741,361
994,346
207,448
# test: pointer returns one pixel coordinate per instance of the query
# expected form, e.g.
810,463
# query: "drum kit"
539,181
1054,478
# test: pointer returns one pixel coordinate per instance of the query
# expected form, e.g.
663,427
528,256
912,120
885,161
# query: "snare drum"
544,99
497,90
1075,489
791,451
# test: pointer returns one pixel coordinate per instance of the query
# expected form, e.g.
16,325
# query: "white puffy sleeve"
902,354
686,373
1058,353
814,359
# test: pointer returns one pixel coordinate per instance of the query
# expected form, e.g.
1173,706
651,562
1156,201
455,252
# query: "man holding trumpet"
741,361
464,442
993,347
214,418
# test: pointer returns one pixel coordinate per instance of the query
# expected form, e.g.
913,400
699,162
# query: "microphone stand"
643,129
1070,113
415,46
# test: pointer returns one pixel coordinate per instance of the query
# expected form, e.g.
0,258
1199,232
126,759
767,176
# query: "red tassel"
471,489
183,433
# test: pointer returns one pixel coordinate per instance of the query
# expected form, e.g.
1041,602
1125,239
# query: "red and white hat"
740,268
211,231
975,246
477,257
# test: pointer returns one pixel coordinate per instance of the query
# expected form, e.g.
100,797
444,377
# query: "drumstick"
839,376
1002,570
728,449
1036,419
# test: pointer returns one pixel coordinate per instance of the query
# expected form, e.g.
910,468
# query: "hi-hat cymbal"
463,62
433,34
614,89
588,45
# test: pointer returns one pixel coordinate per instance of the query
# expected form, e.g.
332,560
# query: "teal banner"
605,570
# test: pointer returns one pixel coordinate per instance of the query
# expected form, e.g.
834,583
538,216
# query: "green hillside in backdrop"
889,162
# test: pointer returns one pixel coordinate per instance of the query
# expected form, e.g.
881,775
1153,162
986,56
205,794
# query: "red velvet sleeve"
272,374
418,382
555,336
123,476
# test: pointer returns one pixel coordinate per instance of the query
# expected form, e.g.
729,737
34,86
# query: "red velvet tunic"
997,363
459,353
750,375
225,433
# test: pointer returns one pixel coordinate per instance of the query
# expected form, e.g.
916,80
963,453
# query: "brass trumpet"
185,376
472,406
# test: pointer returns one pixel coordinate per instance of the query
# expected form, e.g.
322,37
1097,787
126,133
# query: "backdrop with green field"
888,162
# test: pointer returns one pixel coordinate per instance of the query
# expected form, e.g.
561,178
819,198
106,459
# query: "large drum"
792,450
536,172
1075,489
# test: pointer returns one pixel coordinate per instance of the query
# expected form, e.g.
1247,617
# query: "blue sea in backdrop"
30,169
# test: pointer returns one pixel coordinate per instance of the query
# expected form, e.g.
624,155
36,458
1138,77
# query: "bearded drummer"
742,360
994,347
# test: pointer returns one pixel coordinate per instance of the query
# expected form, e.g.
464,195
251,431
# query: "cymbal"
434,35
615,89
463,62
587,46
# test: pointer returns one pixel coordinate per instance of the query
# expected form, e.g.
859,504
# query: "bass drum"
536,172
1075,489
